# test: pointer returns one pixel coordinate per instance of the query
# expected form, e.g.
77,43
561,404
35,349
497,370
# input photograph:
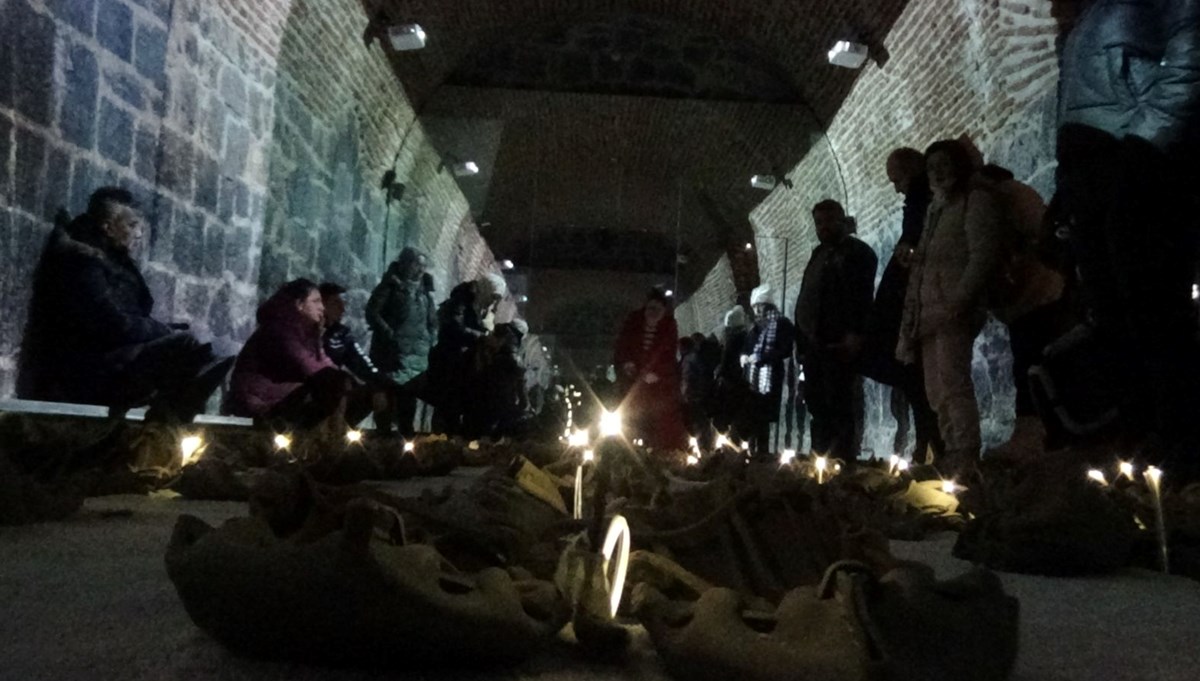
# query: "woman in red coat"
648,375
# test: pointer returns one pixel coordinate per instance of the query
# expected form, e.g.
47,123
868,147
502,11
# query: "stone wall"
254,133
984,68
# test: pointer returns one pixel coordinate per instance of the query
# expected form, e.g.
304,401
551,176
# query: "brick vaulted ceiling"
625,117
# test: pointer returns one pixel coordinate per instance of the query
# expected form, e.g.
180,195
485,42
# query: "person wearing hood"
282,373
90,337
768,347
454,363
648,375
403,321
732,390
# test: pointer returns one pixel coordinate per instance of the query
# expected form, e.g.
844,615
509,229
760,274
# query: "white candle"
1154,481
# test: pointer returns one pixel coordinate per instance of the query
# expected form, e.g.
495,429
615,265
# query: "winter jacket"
769,346
888,307
343,349
88,316
659,359
955,262
453,365
835,295
403,321
282,352
1023,283
1132,67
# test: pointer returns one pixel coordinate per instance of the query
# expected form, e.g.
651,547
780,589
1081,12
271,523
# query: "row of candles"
192,447
1153,476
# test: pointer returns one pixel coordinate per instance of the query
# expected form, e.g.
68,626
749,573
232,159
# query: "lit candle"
949,486
1154,481
722,441
1097,476
190,447
745,446
578,506
692,460
1126,469
788,456
617,540
282,441
821,463
693,443
410,447
354,436
893,464
901,466
579,438
610,424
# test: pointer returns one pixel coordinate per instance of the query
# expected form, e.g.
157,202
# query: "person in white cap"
768,347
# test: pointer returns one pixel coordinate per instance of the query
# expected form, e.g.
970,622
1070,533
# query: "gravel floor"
90,599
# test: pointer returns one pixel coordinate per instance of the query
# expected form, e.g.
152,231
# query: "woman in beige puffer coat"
944,307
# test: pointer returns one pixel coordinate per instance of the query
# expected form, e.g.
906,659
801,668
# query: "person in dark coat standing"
831,316
732,390
90,336
455,363
404,323
906,172
282,373
1128,168
768,347
647,374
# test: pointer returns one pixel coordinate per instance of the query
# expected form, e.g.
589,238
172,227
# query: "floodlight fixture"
406,37
848,54
465,169
767,182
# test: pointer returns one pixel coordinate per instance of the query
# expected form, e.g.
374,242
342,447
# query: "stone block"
185,100
193,302
160,231
114,28
241,204
32,38
78,119
233,91
159,8
29,169
237,149
127,88
207,182
80,14
58,184
6,129
212,129
175,165
220,319
150,52
214,249
227,199
145,154
85,179
188,240
116,133
237,253
162,287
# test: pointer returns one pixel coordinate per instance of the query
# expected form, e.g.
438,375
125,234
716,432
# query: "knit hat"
491,284
763,295
735,318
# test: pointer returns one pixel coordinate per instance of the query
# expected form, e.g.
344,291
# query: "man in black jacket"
831,320
340,344
90,337
906,172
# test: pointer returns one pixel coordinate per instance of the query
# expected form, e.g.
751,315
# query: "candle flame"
1097,476
410,446
1153,476
578,438
949,486
1126,469
692,460
610,424
354,436
617,540
190,446
722,441
589,455
821,463
902,465
788,456
282,441
693,443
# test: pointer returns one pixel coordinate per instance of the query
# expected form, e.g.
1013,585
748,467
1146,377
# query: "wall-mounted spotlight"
406,37
522,298
669,293
465,169
749,246
848,55
767,182
506,265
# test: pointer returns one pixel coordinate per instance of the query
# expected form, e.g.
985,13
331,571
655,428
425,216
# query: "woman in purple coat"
282,373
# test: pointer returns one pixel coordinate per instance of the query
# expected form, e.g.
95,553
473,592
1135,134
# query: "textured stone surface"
180,101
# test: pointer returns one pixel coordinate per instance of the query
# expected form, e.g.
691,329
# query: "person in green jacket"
403,321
